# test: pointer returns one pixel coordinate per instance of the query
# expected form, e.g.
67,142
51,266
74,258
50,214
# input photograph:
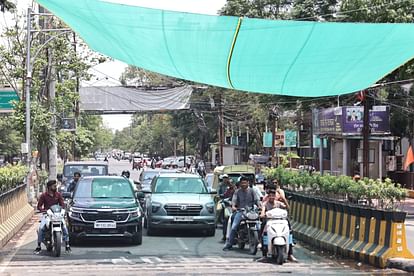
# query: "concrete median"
364,234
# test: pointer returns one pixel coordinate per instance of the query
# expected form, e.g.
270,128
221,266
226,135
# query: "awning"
296,58
130,100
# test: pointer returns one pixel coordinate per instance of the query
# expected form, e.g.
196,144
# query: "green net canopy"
295,58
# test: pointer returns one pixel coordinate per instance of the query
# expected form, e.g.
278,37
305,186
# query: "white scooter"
275,240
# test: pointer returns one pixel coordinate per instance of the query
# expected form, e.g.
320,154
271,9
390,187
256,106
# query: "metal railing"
12,201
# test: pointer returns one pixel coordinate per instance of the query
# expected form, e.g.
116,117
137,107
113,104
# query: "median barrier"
359,232
14,212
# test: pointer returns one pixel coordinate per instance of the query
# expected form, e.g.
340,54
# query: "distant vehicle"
100,157
85,168
169,162
180,161
105,206
127,156
147,175
179,201
234,172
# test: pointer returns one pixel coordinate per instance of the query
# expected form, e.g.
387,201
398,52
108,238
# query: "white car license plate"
106,224
183,218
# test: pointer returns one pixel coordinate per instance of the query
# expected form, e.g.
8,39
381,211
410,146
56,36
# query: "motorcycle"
248,230
53,229
276,238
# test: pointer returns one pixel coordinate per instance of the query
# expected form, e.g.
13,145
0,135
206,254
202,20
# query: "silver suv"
180,201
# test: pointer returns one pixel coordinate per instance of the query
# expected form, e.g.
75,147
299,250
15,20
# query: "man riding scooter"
275,196
243,198
46,200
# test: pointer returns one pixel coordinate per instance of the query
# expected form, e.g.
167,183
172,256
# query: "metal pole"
221,134
27,85
321,155
365,134
273,139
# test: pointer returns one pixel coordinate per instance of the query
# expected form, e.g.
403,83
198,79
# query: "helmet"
125,173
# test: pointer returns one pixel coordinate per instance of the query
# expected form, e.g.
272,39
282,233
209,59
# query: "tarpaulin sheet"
297,58
130,100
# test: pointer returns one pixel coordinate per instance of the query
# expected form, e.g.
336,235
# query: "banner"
349,120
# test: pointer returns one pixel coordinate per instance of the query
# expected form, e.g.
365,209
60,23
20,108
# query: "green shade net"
294,58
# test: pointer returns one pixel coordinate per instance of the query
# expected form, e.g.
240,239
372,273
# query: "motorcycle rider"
126,174
228,194
242,198
46,200
225,184
282,199
74,181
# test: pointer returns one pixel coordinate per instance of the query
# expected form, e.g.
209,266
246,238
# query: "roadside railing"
12,201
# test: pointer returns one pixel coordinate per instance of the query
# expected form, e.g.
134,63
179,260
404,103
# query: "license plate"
106,225
183,218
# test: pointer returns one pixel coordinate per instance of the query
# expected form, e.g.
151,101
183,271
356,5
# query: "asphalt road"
172,252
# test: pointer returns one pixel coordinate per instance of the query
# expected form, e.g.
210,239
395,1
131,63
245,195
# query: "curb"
401,263
13,224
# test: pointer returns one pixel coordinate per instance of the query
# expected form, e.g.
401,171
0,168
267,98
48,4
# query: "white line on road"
147,260
181,243
126,260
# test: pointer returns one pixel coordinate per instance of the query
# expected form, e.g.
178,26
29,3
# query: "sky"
107,74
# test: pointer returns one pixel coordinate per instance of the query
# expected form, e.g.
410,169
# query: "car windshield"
104,188
180,185
85,170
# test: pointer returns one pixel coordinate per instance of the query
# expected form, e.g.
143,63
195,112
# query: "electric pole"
365,133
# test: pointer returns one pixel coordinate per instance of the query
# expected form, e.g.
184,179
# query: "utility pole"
221,134
273,139
365,133
27,85
52,95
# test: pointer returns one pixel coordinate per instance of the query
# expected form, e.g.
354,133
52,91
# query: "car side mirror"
67,195
59,177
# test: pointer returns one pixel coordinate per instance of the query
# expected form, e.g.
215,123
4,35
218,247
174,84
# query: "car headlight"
210,207
74,213
136,213
155,206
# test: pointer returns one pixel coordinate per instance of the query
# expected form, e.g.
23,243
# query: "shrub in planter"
11,176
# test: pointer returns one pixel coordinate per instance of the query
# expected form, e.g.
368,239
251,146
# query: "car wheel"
211,232
137,238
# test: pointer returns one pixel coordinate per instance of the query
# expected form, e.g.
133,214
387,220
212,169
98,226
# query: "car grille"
183,209
105,216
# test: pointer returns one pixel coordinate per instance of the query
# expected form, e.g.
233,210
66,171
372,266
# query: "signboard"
291,138
7,96
348,120
68,124
279,139
327,121
353,121
267,139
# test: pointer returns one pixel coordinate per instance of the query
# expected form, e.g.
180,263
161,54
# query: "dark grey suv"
180,201
104,206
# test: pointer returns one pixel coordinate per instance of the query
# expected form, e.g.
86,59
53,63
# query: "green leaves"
376,193
11,176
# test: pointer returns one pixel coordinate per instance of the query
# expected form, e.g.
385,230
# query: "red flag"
409,158
360,96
